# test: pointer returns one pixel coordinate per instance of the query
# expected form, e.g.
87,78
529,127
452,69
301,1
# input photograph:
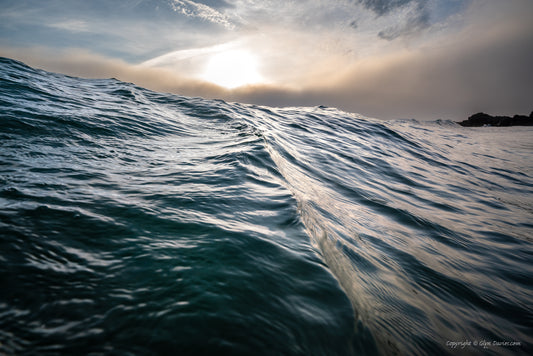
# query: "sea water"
136,222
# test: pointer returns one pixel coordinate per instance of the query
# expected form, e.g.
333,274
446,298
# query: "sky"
421,59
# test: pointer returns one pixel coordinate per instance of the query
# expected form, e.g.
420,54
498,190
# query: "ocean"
137,223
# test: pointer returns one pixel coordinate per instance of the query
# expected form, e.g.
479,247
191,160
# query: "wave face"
136,222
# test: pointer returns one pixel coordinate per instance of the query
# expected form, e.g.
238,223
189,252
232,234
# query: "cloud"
216,4
483,66
406,18
416,18
383,7
142,29
411,16
202,11
133,30
71,25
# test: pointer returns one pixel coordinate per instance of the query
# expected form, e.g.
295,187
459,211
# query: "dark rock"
482,119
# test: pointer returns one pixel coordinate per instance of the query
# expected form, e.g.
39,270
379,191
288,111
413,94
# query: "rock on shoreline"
482,119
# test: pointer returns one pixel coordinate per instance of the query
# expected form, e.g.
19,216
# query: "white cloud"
71,25
202,11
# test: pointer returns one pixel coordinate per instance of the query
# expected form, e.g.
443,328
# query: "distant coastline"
482,119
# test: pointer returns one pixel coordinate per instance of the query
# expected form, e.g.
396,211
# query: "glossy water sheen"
135,222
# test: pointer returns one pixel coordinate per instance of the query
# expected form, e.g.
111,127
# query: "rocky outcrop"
482,119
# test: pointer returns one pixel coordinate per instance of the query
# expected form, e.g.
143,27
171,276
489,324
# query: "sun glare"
232,69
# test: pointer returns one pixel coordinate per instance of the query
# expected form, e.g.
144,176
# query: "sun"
232,69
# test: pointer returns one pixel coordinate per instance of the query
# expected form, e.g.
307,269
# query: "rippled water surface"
136,222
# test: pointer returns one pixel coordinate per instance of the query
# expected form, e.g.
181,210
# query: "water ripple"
136,222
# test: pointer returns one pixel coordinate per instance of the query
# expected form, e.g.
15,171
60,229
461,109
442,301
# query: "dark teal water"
136,222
